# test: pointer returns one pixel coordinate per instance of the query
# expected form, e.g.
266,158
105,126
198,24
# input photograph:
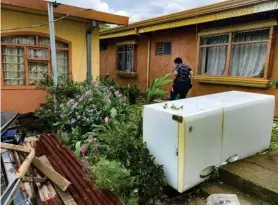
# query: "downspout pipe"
149,60
89,50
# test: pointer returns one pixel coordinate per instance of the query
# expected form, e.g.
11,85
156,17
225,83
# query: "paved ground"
256,175
254,180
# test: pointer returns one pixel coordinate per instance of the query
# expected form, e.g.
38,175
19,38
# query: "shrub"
97,122
111,175
133,154
89,107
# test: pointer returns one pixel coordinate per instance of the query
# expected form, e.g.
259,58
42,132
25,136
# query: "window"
26,59
103,47
125,58
163,48
239,54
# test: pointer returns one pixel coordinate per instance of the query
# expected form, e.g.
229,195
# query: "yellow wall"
95,53
27,99
73,31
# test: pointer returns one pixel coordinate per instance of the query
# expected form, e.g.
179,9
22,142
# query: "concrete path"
256,175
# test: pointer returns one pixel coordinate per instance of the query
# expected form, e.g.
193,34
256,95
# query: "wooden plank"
65,196
54,176
15,147
267,62
25,165
229,54
46,190
34,179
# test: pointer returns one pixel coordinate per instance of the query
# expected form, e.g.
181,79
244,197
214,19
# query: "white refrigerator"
190,136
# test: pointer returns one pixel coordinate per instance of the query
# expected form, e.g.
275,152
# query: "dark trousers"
180,90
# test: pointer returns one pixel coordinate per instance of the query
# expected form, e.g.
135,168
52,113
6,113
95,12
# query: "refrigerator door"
248,121
160,133
202,147
185,141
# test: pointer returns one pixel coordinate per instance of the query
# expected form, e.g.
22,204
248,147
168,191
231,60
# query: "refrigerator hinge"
177,151
177,118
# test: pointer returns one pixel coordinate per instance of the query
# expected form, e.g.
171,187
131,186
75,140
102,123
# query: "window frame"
229,52
163,48
27,59
133,58
261,82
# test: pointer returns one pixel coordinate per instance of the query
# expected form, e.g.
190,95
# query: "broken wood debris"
15,147
65,196
47,172
54,176
34,179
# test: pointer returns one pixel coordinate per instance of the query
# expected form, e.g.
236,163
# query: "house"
231,45
25,48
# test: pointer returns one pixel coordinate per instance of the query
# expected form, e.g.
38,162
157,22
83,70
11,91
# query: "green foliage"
274,83
82,106
155,89
132,92
133,154
103,26
100,126
66,88
112,176
274,137
77,148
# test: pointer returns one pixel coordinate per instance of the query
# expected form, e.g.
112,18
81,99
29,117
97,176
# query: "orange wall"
184,45
108,63
21,100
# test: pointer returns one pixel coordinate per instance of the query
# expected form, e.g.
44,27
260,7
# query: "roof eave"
90,14
210,9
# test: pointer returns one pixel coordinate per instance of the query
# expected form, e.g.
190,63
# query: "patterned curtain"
13,65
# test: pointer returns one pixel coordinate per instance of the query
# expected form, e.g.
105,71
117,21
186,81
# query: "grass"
274,139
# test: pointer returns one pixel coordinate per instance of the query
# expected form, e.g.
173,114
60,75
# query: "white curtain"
129,58
36,72
62,64
213,60
37,53
44,41
30,40
13,65
248,60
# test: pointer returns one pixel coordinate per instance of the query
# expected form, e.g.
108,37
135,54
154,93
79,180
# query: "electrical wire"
43,24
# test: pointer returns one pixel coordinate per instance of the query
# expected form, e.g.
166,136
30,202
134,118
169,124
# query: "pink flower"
106,120
90,139
84,149
88,93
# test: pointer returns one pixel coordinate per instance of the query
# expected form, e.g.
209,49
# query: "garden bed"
103,126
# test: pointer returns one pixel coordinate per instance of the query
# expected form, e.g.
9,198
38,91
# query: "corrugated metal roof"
63,160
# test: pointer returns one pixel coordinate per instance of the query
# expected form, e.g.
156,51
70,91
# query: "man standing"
183,80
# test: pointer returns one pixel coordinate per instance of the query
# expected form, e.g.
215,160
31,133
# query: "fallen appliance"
191,137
